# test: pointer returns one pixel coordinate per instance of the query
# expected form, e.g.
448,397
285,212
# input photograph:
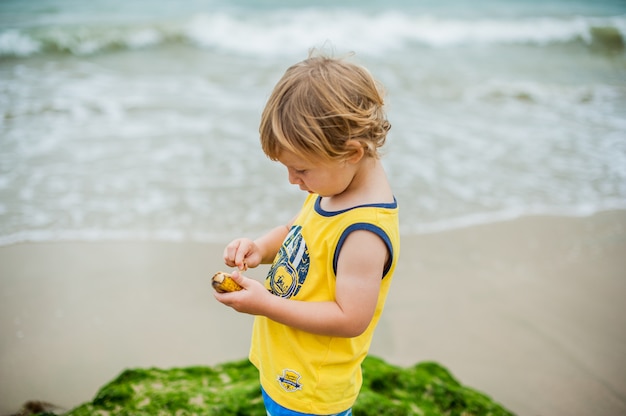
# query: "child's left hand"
251,299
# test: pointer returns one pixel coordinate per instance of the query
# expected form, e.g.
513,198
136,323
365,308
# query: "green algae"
425,389
228,389
232,389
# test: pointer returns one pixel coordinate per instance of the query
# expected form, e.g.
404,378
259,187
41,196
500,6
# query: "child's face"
326,178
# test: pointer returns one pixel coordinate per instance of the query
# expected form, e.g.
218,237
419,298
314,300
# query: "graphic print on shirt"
291,266
290,380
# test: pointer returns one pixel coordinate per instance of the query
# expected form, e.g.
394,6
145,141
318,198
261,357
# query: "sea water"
132,120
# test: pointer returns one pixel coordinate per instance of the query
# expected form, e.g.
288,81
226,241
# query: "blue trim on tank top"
319,210
367,227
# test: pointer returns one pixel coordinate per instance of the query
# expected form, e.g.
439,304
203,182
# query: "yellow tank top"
312,373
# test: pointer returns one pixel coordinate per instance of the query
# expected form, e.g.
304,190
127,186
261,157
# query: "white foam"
95,235
292,31
298,30
143,38
14,43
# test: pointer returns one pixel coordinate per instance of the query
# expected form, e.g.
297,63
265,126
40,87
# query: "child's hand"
242,253
251,299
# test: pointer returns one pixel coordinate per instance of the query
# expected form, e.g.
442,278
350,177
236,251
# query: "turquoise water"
138,120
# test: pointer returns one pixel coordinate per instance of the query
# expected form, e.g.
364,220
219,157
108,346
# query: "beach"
129,156
529,311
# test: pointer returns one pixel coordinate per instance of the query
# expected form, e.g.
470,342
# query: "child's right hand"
242,253
252,299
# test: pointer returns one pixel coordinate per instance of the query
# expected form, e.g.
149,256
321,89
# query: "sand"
529,311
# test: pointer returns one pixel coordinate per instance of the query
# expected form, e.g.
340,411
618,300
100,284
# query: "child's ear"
356,151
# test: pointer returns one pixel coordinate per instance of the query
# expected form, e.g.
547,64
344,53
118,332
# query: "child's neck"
368,186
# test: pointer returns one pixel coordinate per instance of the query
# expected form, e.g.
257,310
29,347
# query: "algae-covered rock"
424,389
228,389
233,389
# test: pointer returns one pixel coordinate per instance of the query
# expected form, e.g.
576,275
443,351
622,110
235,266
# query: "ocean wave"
182,236
288,32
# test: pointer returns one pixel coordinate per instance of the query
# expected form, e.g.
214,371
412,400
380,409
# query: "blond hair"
318,106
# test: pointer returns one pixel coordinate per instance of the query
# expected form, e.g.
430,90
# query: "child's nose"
294,179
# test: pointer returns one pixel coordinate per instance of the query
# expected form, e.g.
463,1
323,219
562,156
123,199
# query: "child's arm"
359,273
243,252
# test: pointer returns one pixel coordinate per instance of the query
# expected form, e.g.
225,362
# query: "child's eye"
301,171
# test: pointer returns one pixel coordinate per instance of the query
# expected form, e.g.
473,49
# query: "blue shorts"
274,409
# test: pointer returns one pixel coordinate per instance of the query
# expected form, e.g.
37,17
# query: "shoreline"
528,311
185,237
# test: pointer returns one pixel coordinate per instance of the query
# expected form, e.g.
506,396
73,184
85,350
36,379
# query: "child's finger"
240,257
230,253
237,277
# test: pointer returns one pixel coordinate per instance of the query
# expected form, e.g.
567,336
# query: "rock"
233,389
40,408
424,389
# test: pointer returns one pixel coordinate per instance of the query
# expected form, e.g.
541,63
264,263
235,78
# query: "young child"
333,263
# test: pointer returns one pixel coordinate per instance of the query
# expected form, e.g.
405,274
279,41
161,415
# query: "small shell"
223,282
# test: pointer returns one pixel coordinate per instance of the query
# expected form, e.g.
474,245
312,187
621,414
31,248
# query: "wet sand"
531,312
